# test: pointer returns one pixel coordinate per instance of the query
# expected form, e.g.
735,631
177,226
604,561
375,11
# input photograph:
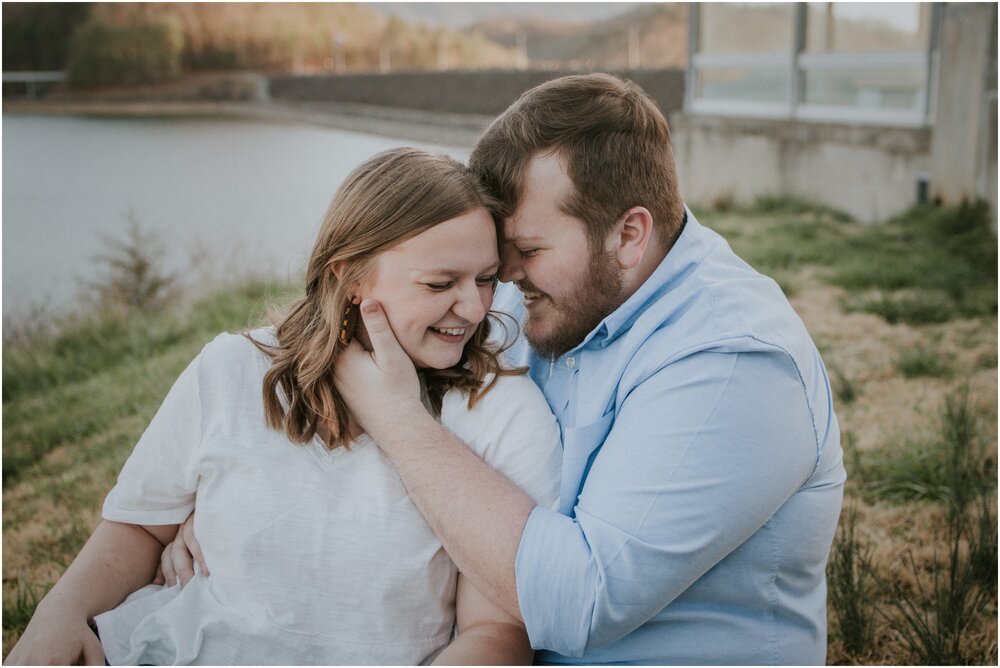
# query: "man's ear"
631,236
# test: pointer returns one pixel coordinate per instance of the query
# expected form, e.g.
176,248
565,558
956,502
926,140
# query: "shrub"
133,278
102,54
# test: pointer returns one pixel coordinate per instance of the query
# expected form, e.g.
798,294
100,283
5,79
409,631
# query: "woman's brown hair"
390,198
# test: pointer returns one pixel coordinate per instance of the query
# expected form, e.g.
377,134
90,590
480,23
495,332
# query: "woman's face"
437,287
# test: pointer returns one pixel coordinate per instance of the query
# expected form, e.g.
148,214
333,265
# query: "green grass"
106,369
922,361
850,586
843,387
951,467
785,204
929,265
18,608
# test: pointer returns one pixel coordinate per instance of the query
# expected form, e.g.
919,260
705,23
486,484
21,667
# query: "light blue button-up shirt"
702,476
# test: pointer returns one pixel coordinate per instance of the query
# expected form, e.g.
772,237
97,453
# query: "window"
854,62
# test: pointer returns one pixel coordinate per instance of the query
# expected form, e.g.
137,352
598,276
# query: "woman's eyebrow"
451,271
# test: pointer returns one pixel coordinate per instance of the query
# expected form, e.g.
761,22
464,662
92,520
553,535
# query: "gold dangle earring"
347,324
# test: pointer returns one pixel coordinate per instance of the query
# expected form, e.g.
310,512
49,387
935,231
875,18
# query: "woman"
318,554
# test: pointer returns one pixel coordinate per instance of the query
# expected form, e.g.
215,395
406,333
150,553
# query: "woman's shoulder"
512,428
231,354
510,396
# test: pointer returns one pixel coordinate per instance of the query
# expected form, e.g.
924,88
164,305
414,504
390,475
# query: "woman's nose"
470,305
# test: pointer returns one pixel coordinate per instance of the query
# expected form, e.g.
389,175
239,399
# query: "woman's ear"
338,268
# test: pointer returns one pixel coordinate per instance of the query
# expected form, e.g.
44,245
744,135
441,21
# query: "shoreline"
451,130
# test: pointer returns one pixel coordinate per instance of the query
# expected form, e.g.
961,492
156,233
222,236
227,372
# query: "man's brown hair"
615,142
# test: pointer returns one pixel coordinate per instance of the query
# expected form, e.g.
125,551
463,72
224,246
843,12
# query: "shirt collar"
689,247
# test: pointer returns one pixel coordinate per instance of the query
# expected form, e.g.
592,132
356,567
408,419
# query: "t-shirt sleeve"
514,431
158,482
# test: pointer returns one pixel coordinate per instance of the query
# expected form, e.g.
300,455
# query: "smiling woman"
435,308
255,430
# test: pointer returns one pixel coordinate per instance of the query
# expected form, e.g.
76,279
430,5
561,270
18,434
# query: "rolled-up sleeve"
701,454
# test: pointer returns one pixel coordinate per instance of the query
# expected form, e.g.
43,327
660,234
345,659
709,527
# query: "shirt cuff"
152,517
554,590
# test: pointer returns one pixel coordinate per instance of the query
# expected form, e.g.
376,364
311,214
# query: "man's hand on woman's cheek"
381,384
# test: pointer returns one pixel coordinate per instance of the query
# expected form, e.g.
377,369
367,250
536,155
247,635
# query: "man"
701,473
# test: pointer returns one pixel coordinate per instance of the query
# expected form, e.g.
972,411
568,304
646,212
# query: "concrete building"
865,107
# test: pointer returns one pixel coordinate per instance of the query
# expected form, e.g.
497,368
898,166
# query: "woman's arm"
117,560
486,634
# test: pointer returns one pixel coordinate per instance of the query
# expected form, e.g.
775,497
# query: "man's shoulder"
714,303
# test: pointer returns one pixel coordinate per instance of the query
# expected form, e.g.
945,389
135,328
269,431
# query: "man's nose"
510,265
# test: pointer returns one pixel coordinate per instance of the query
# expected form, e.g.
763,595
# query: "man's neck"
638,275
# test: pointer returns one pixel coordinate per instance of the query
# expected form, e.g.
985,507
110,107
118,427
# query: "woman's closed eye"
487,280
527,252
480,281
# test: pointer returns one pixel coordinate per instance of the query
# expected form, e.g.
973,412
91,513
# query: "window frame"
798,63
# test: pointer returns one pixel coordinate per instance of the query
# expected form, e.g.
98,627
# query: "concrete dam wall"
485,93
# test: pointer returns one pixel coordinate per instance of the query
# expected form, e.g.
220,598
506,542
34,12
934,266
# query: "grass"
104,369
912,572
929,265
843,387
19,606
850,584
926,266
952,467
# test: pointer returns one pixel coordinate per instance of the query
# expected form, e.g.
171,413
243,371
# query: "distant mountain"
464,14
661,30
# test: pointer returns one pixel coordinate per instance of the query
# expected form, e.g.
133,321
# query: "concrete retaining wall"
485,92
869,173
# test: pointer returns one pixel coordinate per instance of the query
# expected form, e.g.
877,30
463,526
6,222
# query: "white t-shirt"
317,557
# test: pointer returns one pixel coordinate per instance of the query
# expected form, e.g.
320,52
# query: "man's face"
567,289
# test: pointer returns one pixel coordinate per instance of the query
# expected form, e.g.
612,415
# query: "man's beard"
575,315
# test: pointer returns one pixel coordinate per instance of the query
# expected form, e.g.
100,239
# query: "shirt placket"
560,386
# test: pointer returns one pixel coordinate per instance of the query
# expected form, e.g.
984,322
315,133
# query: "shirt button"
571,362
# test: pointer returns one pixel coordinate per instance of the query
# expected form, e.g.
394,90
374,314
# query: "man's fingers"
187,534
183,564
158,579
379,332
167,566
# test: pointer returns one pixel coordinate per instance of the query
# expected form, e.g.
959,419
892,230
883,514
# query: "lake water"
230,196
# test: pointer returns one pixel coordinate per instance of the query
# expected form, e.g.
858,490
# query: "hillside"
575,44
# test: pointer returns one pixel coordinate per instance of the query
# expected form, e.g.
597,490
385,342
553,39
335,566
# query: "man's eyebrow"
522,238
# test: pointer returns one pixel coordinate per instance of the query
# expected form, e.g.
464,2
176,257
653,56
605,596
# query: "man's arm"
117,560
478,514
701,455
